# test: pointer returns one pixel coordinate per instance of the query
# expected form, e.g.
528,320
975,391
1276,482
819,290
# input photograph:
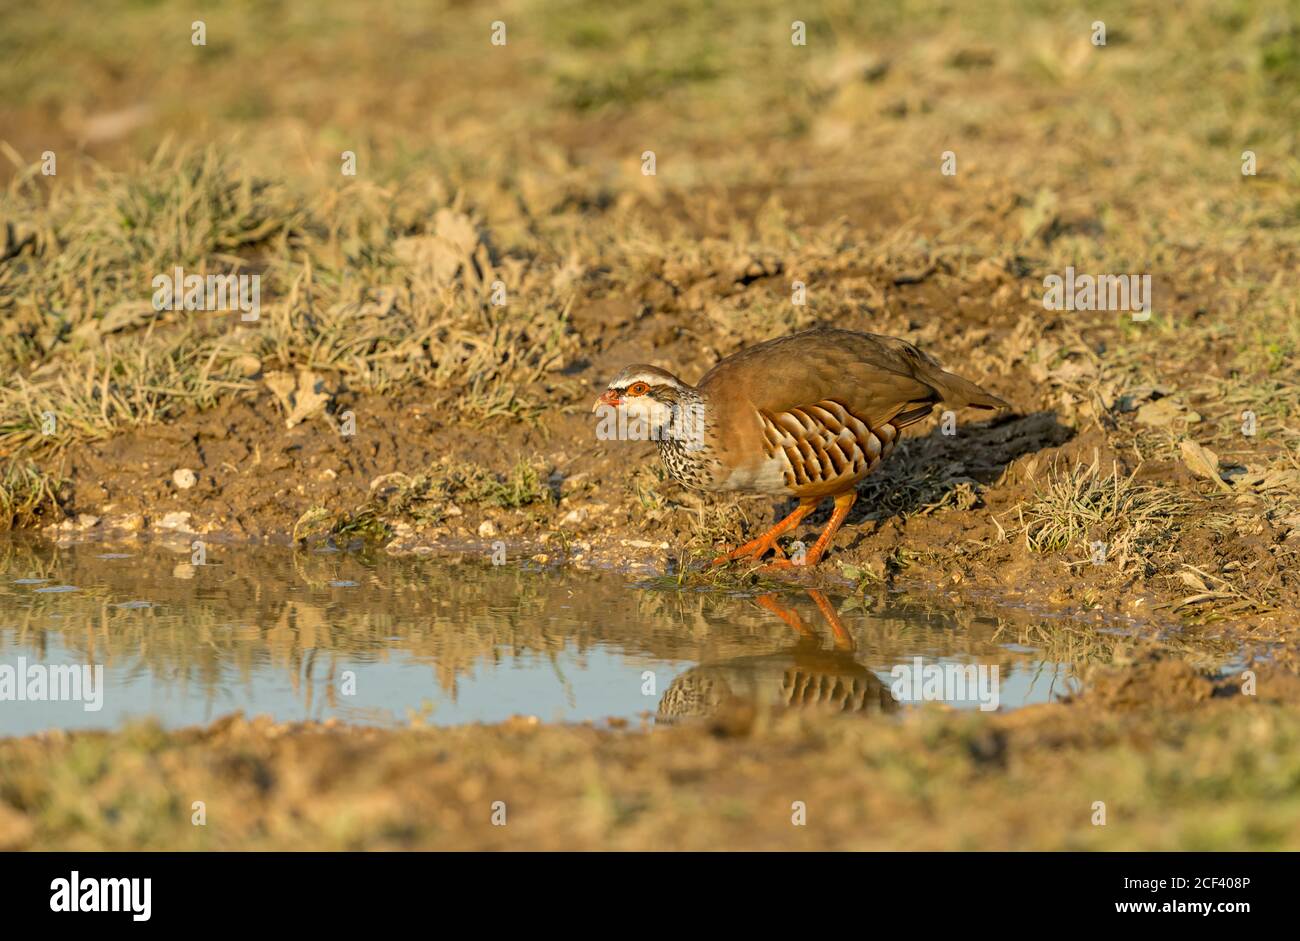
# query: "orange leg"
843,639
756,548
843,503
790,617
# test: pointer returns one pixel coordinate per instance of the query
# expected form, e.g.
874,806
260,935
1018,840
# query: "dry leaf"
125,315
1202,462
453,252
301,398
1164,412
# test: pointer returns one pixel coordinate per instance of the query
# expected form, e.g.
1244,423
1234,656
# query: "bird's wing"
878,379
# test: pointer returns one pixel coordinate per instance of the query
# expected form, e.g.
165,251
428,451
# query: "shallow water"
378,640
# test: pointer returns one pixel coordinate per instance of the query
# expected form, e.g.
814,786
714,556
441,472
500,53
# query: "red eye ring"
638,388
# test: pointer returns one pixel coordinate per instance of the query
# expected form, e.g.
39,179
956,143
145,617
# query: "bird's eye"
638,388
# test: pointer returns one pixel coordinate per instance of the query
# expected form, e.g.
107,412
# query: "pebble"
175,520
248,366
184,478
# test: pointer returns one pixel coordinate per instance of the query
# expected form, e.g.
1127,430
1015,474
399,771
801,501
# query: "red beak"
608,397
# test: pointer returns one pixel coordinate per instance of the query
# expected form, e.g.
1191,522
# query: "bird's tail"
952,389
961,393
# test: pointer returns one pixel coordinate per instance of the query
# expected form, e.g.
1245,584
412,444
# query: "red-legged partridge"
807,416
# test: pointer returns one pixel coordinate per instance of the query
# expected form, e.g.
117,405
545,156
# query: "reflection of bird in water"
804,676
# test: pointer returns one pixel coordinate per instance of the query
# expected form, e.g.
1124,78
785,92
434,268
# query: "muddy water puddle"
378,640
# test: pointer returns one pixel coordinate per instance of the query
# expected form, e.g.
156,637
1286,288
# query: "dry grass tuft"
28,495
1083,505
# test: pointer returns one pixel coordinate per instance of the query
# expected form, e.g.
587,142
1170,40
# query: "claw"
759,547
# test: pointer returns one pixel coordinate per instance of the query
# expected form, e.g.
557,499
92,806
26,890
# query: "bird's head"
647,393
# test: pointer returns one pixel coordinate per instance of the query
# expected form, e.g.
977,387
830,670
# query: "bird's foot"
757,548
801,560
754,549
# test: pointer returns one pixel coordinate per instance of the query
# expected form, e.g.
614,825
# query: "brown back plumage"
812,413
880,379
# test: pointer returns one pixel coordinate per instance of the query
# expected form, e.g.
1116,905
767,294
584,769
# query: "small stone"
176,520
487,529
184,478
574,518
86,521
248,366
